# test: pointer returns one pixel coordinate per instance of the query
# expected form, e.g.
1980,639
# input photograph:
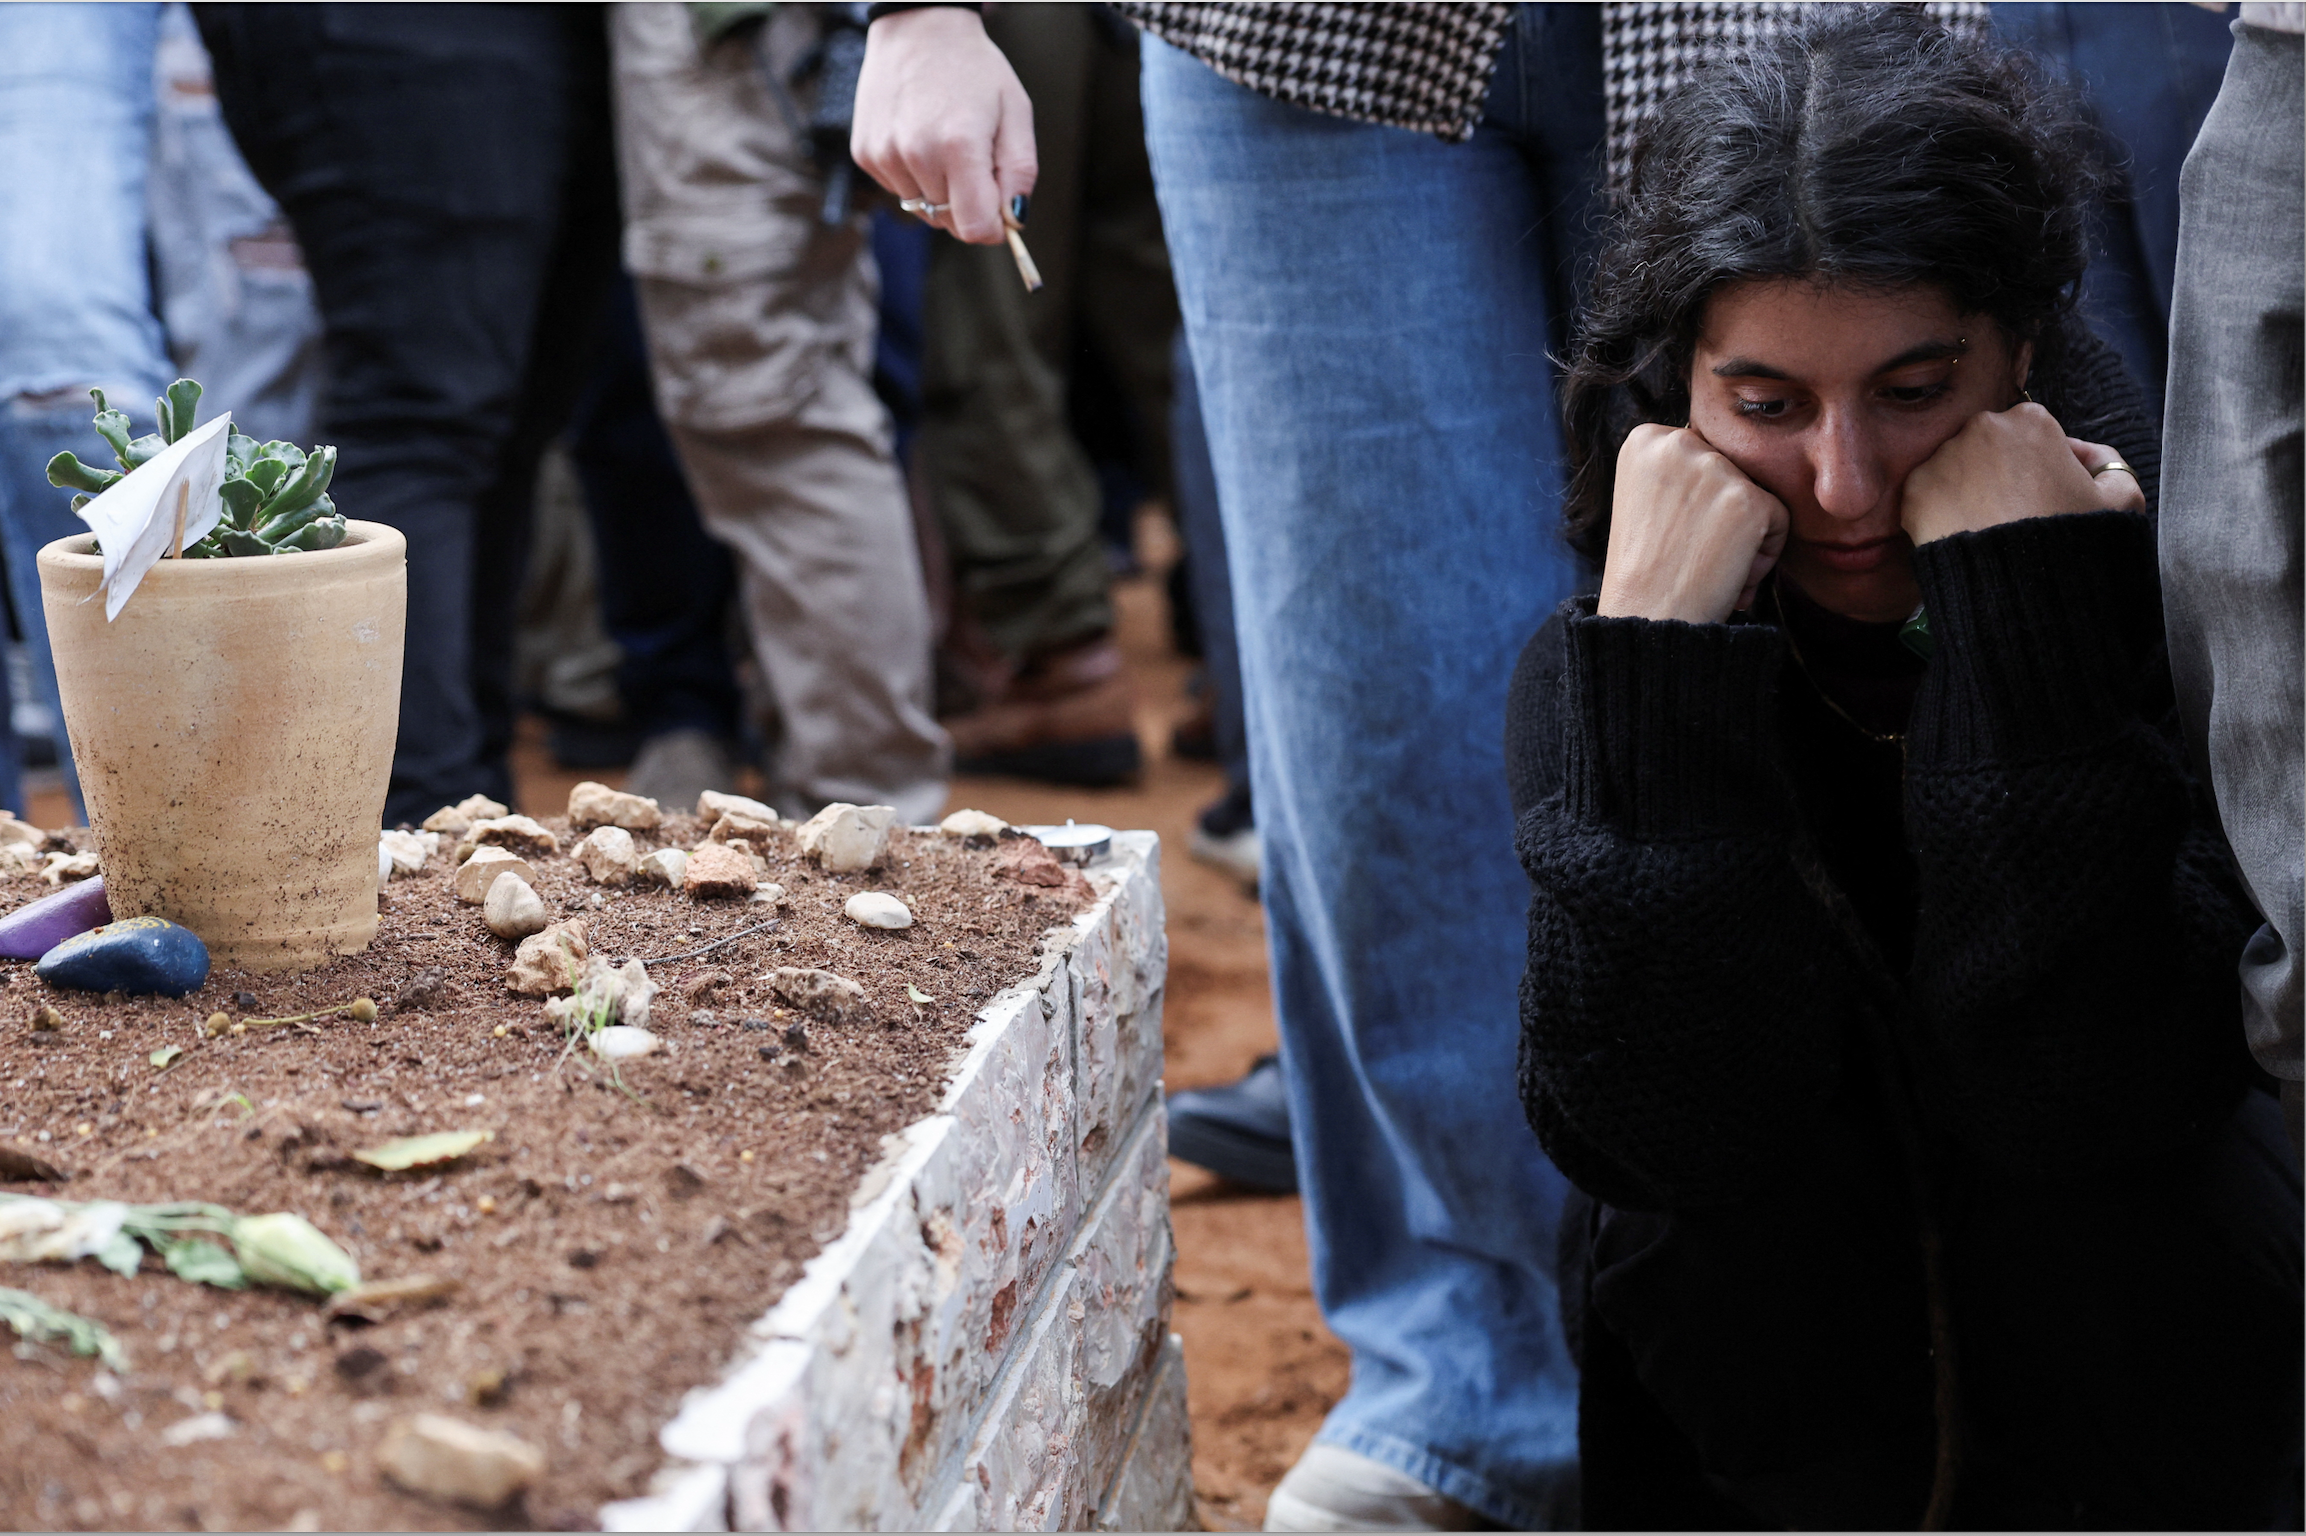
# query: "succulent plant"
274,494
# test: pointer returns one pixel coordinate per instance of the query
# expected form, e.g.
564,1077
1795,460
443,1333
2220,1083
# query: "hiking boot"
1239,1131
1069,718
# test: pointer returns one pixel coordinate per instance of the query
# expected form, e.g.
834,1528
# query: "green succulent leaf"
67,473
325,533
241,500
233,541
177,409
301,491
266,475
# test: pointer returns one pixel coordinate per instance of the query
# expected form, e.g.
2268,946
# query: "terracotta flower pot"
234,730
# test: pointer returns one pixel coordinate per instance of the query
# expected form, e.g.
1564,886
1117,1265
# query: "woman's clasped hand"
1832,430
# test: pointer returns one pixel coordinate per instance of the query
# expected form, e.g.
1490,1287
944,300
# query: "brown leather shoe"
1068,718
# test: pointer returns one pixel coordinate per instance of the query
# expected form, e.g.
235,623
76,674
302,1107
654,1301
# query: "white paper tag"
135,520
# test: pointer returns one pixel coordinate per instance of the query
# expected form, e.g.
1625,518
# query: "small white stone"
878,909
768,896
19,858
383,867
622,1042
512,909
14,832
608,855
597,805
484,868
971,824
455,820
70,866
665,867
201,1426
844,838
519,833
445,1458
712,805
410,851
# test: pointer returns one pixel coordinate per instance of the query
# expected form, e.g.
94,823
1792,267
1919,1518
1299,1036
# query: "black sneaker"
1240,1131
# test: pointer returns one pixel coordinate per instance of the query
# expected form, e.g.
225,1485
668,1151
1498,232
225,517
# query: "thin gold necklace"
1785,628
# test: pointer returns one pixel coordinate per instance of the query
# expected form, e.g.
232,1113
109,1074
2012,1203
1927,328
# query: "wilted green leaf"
917,995
286,1250
120,1254
418,1151
44,1322
166,1056
201,1261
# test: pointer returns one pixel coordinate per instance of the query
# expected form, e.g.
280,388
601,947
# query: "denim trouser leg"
1204,532
1368,317
76,103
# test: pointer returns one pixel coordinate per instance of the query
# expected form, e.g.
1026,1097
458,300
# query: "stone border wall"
987,1346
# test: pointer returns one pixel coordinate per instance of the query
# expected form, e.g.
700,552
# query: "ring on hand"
923,209
2120,465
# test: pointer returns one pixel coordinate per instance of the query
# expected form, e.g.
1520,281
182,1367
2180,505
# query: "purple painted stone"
31,931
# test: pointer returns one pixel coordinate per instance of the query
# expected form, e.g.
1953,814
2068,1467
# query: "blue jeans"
2149,73
76,103
1369,312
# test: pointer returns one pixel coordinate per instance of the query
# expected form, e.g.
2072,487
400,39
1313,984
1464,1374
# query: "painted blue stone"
136,955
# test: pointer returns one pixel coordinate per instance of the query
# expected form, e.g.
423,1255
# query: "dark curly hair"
1866,145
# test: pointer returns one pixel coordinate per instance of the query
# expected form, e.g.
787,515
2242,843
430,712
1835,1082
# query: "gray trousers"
760,326
2231,505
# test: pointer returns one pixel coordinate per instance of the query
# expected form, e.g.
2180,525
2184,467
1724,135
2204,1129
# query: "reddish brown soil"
1261,1368
610,1247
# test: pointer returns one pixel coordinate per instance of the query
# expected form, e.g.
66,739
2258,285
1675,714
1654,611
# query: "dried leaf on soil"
166,1056
23,1165
421,1151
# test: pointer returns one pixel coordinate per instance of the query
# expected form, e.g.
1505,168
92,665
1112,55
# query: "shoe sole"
1232,1154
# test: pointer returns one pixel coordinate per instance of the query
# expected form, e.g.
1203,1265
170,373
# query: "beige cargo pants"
760,327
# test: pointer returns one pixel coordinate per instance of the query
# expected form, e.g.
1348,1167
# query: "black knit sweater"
1695,971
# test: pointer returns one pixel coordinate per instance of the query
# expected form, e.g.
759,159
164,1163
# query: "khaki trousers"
760,325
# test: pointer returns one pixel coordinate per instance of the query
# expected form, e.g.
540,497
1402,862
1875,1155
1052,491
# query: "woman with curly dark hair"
1881,983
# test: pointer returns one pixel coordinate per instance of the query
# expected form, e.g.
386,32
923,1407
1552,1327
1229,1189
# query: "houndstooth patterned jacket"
1426,66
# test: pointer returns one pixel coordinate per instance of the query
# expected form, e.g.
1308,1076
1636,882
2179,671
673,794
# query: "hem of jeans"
1453,1482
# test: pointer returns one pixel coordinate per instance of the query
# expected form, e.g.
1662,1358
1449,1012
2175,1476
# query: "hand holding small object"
1690,536
941,120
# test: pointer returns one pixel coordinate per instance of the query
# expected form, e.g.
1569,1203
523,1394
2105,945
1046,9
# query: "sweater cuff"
1671,727
2040,626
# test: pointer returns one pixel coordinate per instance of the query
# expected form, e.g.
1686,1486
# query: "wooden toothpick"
183,505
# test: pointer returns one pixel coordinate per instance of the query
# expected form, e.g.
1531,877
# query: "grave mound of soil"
608,1247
